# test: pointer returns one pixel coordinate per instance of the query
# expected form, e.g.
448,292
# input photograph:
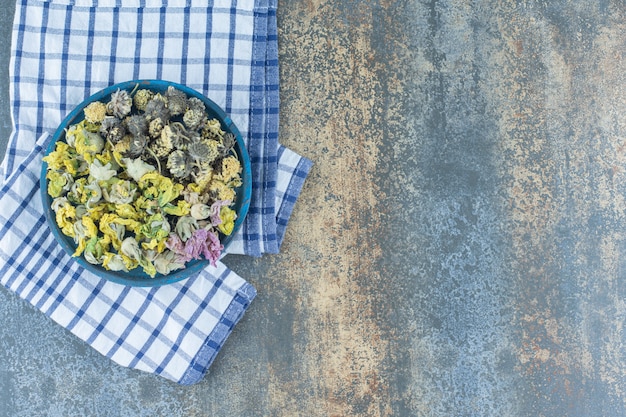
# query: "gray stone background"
459,247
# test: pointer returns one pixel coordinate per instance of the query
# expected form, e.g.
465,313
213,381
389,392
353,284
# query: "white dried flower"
120,104
130,247
185,226
136,168
200,211
99,172
168,261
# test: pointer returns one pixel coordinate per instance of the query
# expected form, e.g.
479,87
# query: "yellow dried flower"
222,190
230,169
212,129
141,98
95,112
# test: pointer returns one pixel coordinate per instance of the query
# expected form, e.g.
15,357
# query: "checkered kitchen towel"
65,50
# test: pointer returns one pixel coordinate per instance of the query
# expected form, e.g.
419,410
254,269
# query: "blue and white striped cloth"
65,50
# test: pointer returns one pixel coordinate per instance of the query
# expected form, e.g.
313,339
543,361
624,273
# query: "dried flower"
179,164
123,145
204,150
155,128
213,248
157,109
94,250
167,262
137,125
130,247
85,193
59,203
158,187
113,230
203,176
221,191
59,183
200,211
66,217
101,172
202,242
194,118
227,220
112,129
230,169
212,129
176,101
137,146
114,262
216,209
142,97
95,112
192,194
119,191
185,226
120,104
227,145
136,168
163,145
195,103
87,144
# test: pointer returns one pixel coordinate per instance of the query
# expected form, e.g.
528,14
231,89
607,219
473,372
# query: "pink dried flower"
213,248
202,242
194,245
176,245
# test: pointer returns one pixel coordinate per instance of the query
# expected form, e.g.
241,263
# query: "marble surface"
458,249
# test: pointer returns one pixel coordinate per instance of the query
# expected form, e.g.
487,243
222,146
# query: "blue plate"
137,277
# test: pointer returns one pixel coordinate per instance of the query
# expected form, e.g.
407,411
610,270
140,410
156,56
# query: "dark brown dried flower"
137,146
162,146
112,129
156,109
228,143
176,101
123,144
198,150
137,125
203,150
